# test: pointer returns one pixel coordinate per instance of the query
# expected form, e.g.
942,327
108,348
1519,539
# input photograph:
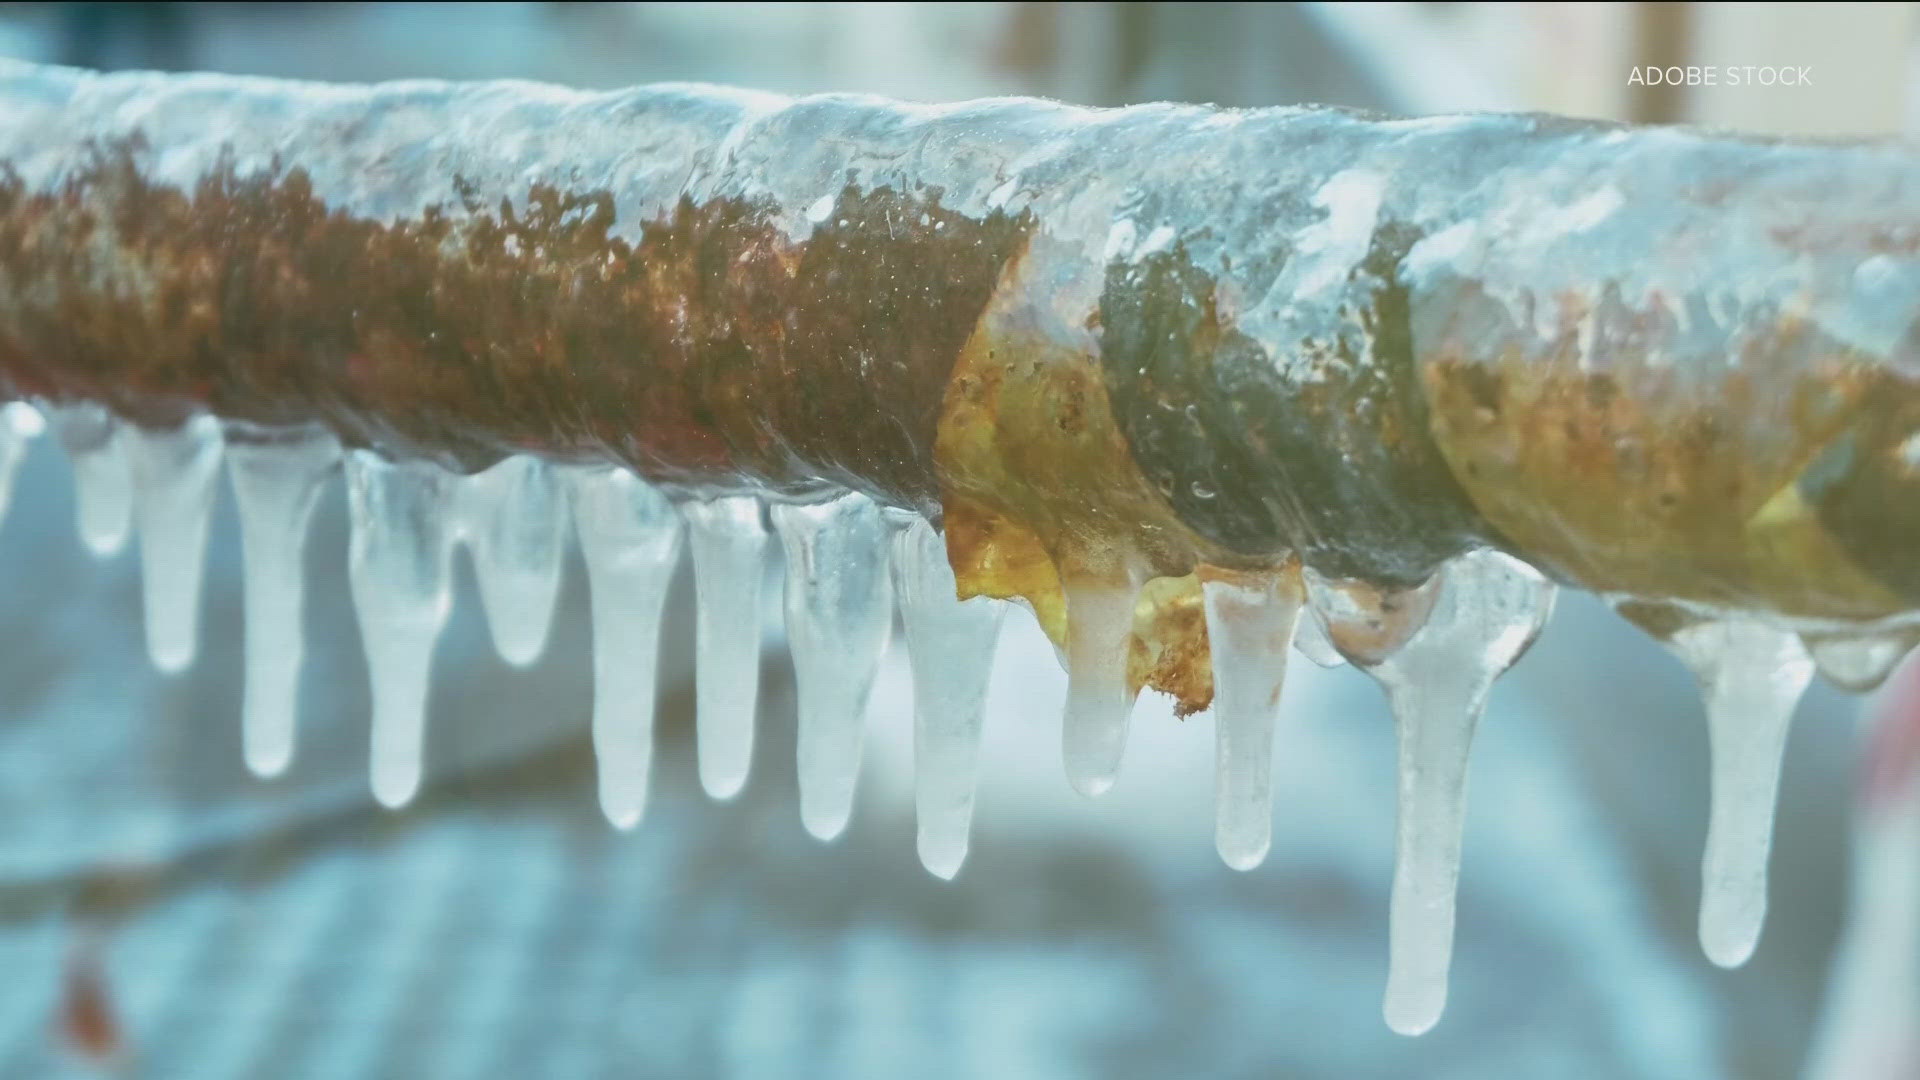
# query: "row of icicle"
1436,649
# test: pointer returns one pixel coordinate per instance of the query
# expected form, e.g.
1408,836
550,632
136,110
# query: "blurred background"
164,914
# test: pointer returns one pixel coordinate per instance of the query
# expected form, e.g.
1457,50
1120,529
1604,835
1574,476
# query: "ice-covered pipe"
1149,369
1655,362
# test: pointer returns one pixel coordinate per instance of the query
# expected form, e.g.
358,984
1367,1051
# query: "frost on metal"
1141,369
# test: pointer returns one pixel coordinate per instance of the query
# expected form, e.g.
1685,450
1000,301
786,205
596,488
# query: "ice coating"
950,645
1250,625
515,517
630,538
728,540
1859,662
399,574
1752,676
1311,639
1475,618
839,604
277,477
1547,317
174,476
102,481
20,424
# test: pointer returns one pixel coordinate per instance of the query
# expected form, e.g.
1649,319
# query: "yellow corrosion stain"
1038,486
1169,648
1652,480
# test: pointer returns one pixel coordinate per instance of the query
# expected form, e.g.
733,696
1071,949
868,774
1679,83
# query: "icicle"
1437,651
20,423
729,543
950,647
1859,662
102,483
277,478
630,538
1099,632
516,530
174,474
1250,623
839,616
1753,676
398,570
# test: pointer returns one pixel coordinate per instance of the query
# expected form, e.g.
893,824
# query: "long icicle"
277,479
1250,628
1093,730
397,568
175,474
1753,676
630,538
729,542
839,616
1437,654
950,645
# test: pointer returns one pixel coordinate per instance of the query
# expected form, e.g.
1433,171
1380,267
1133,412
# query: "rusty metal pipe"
1657,362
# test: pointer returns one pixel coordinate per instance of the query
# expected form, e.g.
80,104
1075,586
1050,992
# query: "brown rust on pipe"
1139,357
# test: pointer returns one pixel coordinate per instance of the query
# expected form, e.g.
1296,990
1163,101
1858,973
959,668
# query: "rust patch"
714,348
1169,650
1737,485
